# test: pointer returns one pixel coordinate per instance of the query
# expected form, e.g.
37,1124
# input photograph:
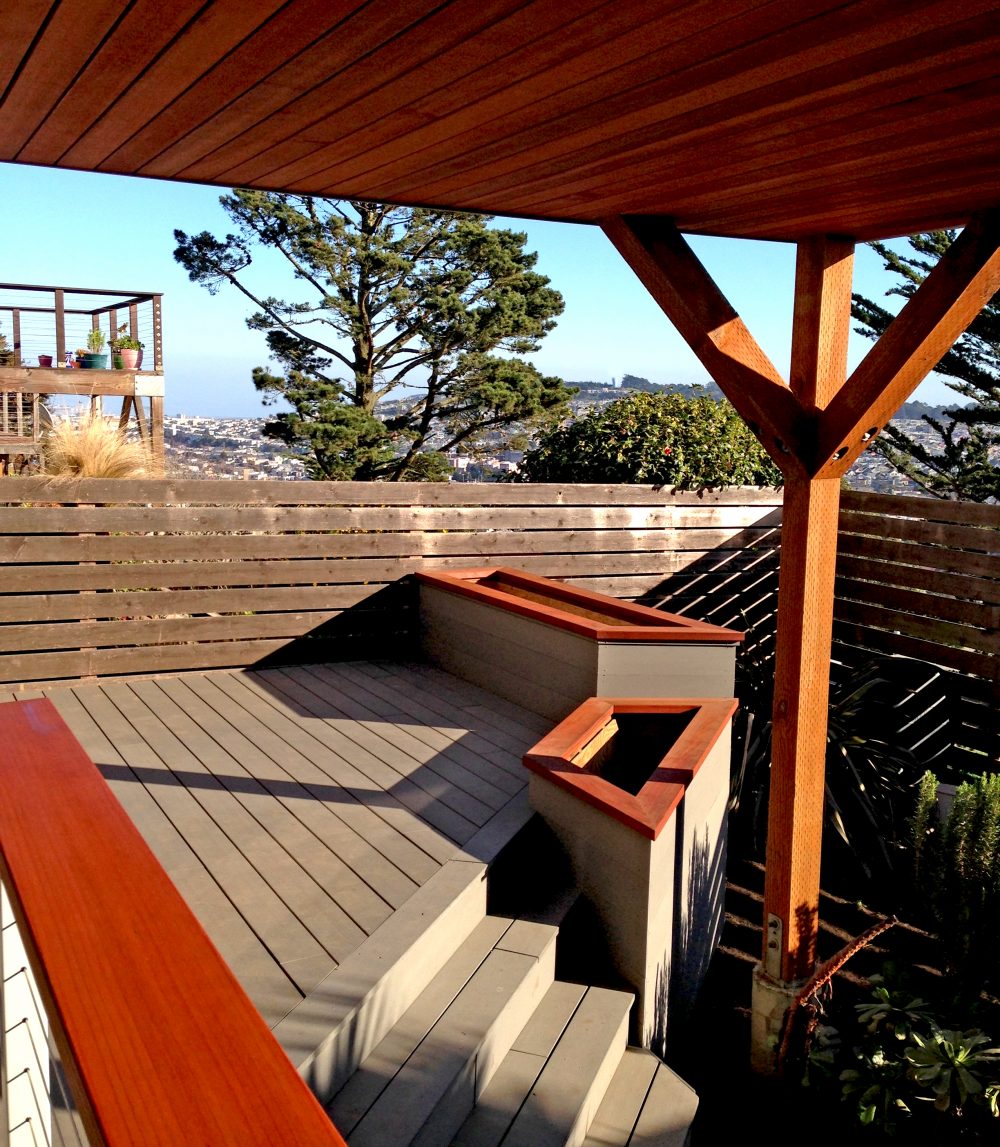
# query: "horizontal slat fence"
103,578
920,578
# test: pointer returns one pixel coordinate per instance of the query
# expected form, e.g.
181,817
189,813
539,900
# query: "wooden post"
820,334
814,429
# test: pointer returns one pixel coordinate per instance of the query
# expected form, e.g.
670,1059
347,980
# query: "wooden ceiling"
776,120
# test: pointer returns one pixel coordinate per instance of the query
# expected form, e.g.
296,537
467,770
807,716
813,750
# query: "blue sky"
79,229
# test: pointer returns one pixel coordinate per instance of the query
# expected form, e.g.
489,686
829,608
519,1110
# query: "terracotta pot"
127,359
45,360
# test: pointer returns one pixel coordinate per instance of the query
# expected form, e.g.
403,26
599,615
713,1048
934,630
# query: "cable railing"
45,326
146,1037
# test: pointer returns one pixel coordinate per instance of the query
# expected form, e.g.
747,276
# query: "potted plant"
126,351
91,358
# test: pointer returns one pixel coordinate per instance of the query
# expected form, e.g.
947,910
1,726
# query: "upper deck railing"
39,321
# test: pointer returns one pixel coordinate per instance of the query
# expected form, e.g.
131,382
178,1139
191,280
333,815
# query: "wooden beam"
155,432
805,622
673,275
965,279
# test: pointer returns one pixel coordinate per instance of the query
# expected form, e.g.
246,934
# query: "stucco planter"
548,646
636,791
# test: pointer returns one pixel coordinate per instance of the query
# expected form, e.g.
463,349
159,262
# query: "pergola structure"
820,123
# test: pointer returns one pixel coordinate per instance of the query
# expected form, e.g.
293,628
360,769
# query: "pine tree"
404,304
964,463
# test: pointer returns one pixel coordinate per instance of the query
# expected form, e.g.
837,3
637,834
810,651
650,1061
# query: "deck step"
646,1105
565,1096
329,1033
421,1081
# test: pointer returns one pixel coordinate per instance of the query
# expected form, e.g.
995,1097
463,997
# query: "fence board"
268,493
922,509
183,574
937,582
931,558
92,605
973,613
327,519
285,547
164,569
867,640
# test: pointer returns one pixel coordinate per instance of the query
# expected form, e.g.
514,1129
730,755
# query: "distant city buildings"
202,447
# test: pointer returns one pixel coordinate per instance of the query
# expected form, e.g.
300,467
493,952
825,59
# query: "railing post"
158,332
16,332
60,305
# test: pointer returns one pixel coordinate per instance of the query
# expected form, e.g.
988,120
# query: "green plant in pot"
126,350
93,359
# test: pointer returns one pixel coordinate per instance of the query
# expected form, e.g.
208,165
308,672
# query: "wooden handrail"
160,1043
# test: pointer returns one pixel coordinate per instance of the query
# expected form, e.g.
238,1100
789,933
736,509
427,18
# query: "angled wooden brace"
671,272
965,279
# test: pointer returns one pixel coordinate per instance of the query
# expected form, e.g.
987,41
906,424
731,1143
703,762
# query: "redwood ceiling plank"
394,77
557,38
345,78
246,119
951,195
229,88
50,70
144,32
864,163
537,116
765,120
718,96
685,149
671,181
608,107
21,23
221,28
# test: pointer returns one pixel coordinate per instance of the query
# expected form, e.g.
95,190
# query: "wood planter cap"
593,615
567,756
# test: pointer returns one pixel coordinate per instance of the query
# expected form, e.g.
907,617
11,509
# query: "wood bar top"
160,1042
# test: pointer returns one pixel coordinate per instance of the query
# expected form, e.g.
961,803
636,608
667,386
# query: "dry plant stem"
821,977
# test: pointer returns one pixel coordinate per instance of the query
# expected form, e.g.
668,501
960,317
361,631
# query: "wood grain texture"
801,698
251,570
867,119
163,1047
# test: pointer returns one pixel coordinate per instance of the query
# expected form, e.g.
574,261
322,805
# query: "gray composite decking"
297,809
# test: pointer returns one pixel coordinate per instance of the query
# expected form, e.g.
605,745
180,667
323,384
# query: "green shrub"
904,1074
659,439
957,875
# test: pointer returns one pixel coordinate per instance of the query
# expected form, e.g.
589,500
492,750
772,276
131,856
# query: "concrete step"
423,1078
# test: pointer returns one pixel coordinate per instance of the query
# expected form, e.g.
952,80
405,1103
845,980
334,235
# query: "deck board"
293,946
297,809
267,984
